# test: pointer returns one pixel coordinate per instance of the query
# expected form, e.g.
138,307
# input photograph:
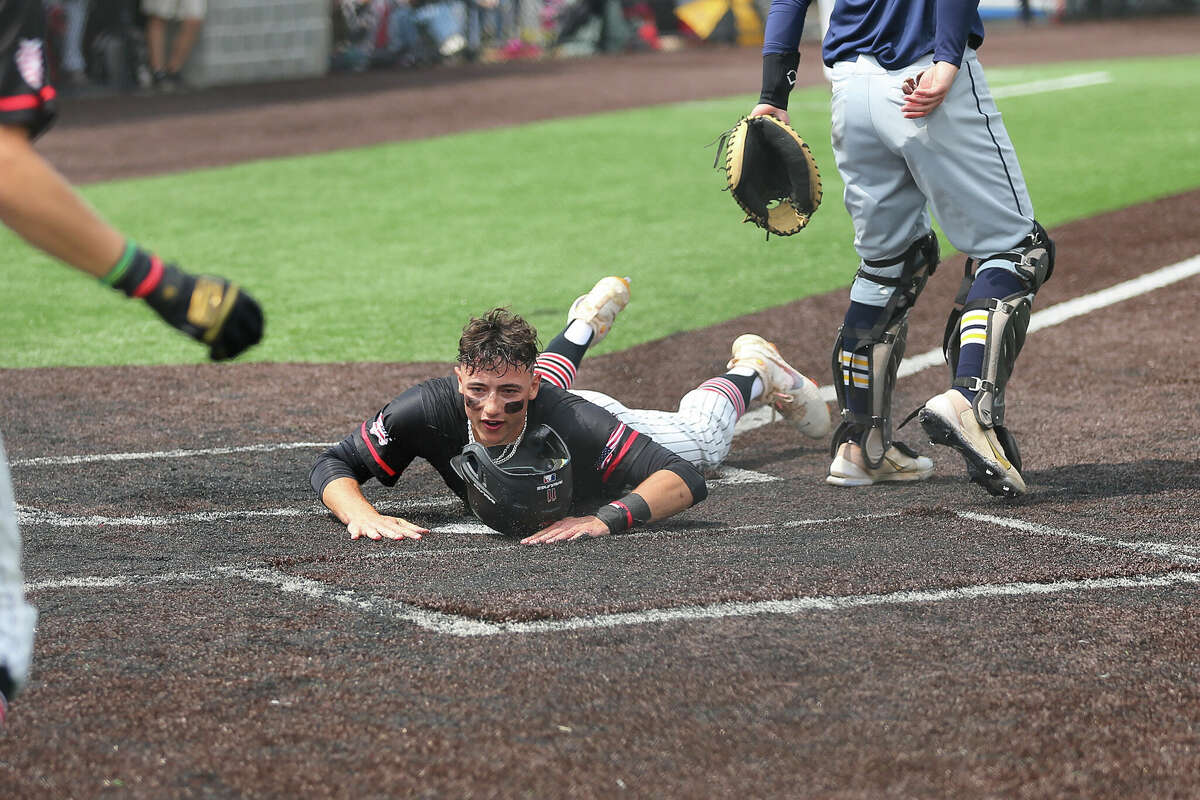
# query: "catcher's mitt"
771,174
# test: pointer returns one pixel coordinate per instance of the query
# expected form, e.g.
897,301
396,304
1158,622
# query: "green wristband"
119,268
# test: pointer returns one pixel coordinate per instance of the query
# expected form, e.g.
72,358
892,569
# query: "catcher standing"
915,129
504,391
41,207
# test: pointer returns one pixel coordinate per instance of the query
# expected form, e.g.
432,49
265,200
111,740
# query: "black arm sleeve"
339,461
779,76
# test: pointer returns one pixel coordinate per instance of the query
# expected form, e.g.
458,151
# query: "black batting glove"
208,308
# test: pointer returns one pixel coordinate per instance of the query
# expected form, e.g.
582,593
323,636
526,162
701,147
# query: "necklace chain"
509,450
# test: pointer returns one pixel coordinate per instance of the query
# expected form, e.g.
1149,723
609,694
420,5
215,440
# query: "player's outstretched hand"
210,309
377,526
765,110
568,529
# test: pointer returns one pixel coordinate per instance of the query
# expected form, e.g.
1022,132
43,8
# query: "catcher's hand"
771,174
210,309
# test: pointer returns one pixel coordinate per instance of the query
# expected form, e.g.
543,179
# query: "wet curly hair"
497,340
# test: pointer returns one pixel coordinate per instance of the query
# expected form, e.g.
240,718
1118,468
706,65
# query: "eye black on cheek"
473,402
513,406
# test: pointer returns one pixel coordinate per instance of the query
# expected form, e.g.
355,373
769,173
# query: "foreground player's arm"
781,57
42,208
663,494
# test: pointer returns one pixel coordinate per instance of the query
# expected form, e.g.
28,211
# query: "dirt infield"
208,631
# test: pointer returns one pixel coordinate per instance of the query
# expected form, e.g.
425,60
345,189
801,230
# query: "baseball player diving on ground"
533,457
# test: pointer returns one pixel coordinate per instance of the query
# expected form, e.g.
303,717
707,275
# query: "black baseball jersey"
429,421
26,96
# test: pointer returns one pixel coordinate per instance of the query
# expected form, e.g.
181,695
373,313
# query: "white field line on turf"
455,625
1045,318
1175,552
1052,84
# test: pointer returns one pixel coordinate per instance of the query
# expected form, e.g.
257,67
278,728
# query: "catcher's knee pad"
868,358
1007,321
903,278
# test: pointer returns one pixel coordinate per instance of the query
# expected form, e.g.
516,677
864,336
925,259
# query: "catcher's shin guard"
875,363
870,358
1007,323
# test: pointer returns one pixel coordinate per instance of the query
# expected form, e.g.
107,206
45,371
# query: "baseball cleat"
599,307
795,396
949,419
900,463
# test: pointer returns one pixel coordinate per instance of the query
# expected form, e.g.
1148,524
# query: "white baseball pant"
17,618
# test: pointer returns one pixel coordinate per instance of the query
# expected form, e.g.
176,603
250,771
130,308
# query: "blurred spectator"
115,46
488,21
166,66
607,26
370,33
425,31
358,26
65,26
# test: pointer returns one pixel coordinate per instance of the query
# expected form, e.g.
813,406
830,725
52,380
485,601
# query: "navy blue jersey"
895,32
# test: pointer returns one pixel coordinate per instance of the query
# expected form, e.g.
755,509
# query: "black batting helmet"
525,493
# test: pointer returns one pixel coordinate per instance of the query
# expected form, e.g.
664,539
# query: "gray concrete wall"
254,40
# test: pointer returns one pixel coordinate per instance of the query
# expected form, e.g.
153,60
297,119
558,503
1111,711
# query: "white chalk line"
663,533
1184,553
29,516
456,625
1077,81
1054,315
58,461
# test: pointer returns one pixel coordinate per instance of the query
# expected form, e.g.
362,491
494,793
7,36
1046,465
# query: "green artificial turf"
381,253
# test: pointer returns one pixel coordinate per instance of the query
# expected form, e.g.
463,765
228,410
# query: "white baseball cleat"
599,307
900,463
796,397
949,419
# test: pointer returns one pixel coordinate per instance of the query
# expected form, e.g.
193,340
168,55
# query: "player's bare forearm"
345,499
664,492
42,208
